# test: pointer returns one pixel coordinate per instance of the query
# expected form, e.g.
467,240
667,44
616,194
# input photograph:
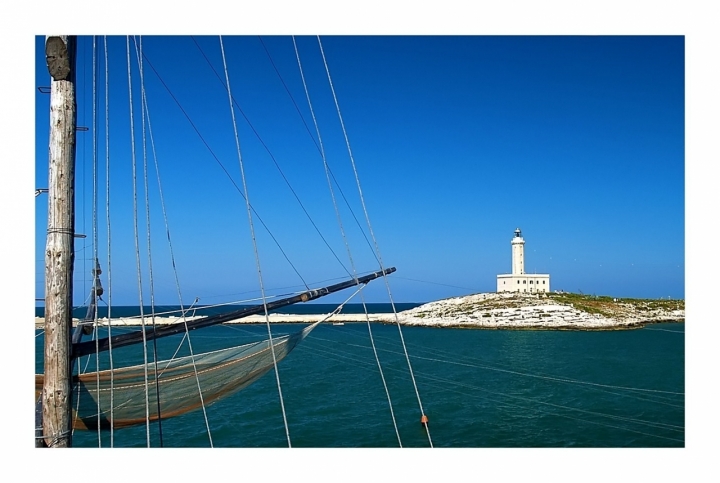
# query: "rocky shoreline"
544,312
535,312
496,311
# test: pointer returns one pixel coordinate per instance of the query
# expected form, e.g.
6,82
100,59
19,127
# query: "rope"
653,395
95,229
137,242
556,379
186,335
109,252
285,294
183,311
471,290
344,236
534,401
254,241
217,160
282,174
146,114
54,439
143,110
372,235
447,385
62,231
97,382
327,317
337,185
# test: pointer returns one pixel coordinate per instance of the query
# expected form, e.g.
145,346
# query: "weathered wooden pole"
59,257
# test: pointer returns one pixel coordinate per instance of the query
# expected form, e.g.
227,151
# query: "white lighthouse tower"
518,249
518,280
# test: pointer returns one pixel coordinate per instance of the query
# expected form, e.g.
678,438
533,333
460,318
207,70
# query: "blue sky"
458,140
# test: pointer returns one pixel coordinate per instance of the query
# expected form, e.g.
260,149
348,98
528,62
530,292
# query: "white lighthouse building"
518,280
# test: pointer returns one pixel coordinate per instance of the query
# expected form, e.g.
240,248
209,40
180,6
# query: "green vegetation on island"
611,307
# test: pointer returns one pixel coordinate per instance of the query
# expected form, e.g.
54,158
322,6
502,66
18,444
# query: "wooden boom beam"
90,347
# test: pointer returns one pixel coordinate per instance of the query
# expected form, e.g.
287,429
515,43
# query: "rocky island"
546,311
555,311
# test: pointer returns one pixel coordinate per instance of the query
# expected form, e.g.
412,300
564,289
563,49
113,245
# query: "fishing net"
219,373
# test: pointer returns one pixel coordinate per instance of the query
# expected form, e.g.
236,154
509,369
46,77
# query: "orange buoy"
424,419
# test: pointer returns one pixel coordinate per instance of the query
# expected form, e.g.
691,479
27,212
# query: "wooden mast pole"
59,257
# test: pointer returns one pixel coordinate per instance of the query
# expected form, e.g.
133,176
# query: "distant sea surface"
308,308
479,388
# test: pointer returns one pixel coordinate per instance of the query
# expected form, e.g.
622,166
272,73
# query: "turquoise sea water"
479,388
